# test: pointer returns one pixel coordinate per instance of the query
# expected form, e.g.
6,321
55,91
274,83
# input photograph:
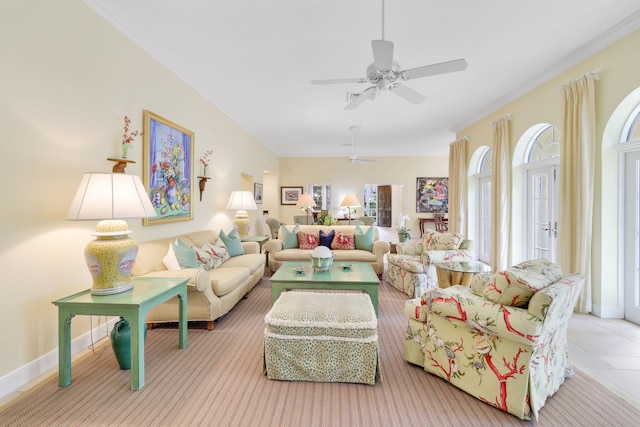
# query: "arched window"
485,168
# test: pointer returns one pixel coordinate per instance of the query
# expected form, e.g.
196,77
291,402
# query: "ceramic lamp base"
242,223
111,258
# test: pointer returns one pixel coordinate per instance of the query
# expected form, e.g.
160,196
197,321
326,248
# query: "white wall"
66,81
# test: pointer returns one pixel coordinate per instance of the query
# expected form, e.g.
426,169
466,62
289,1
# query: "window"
370,200
321,195
484,206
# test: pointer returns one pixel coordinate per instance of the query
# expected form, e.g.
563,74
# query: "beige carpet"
217,381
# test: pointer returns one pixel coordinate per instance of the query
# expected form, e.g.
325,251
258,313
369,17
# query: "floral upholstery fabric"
345,241
307,240
432,241
513,358
413,271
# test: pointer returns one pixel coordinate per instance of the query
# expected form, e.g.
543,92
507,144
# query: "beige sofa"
210,293
277,254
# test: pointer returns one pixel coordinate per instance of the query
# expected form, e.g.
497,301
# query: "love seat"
412,269
211,292
349,243
503,340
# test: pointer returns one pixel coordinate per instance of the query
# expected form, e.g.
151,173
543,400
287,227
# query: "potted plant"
403,234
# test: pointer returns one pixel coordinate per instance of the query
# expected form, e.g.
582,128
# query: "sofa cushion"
225,280
307,240
364,239
441,241
326,238
290,237
344,241
232,242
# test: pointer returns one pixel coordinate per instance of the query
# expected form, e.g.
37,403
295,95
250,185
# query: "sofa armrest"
432,257
380,248
273,246
409,248
251,247
197,276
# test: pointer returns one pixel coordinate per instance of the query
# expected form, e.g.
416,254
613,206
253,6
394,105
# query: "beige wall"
619,76
66,81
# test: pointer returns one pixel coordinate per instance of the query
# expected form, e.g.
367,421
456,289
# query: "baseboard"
607,312
13,381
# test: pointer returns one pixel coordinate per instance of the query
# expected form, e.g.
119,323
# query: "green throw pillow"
233,243
185,255
290,237
364,240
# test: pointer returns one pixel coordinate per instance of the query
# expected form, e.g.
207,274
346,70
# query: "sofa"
215,285
502,340
350,243
412,269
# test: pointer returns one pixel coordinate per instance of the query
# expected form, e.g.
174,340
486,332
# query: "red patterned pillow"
343,241
307,240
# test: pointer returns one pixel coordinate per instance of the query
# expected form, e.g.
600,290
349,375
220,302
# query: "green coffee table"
360,277
133,305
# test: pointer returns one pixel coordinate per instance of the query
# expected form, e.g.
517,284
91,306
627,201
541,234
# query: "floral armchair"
412,269
503,340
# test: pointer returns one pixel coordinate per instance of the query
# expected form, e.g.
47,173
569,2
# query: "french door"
542,212
631,235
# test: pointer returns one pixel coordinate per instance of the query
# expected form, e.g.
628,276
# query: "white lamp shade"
306,201
110,196
350,201
242,200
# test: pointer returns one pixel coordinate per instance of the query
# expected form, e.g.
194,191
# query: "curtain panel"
501,195
577,169
458,186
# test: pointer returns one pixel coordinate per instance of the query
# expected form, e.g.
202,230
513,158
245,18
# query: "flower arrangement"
205,158
128,137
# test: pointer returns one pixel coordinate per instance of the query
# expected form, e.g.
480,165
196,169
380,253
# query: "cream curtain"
577,168
501,195
458,186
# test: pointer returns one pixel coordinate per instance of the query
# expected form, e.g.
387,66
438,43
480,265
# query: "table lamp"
112,255
242,201
350,202
306,202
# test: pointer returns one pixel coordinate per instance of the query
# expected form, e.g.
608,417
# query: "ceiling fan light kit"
385,74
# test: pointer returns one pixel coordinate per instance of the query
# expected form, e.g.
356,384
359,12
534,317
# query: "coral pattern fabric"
509,357
343,241
441,241
307,240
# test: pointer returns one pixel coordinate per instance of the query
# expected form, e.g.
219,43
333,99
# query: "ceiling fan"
386,74
354,158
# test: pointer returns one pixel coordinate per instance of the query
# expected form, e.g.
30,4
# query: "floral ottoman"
322,337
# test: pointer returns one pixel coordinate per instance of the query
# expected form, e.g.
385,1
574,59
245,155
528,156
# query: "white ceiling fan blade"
434,69
382,54
334,81
409,94
361,98
364,161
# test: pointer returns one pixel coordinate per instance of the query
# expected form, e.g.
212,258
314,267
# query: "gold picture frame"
167,170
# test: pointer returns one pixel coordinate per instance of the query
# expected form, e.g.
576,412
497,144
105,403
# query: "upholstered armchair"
274,227
412,269
503,340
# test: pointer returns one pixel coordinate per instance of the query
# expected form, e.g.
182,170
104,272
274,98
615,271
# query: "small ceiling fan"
354,158
386,74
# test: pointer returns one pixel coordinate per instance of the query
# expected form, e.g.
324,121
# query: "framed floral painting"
290,195
432,195
168,169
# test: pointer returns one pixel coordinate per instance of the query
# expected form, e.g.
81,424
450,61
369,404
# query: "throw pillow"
513,287
307,240
364,240
205,260
185,255
232,243
290,237
170,261
326,238
218,253
343,241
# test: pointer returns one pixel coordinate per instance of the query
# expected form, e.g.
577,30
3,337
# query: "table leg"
137,350
64,347
373,294
275,292
182,340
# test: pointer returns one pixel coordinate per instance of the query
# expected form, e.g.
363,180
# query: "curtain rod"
506,116
463,138
595,73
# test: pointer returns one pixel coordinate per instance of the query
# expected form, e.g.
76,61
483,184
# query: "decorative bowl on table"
321,258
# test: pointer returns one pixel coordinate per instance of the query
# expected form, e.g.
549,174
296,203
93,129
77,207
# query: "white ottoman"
322,336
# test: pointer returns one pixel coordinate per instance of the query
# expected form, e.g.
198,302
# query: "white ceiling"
254,59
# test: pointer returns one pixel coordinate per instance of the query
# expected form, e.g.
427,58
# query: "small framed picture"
257,192
290,195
